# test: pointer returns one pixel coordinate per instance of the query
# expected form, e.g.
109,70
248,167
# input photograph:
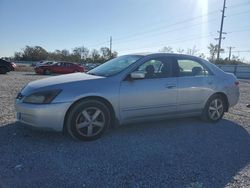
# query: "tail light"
13,65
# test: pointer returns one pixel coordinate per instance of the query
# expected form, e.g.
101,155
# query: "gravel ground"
172,153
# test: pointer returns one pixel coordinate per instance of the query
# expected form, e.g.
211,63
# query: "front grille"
19,96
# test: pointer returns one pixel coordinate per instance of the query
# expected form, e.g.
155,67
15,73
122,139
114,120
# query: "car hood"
63,79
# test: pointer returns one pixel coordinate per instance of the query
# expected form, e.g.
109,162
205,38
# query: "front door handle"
170,86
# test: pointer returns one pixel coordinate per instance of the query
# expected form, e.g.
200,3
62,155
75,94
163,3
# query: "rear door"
194,84
67,68
71,67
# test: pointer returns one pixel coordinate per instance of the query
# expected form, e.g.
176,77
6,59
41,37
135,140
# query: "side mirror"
137,75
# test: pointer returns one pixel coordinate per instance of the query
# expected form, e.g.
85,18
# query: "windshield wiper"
106,75
90,73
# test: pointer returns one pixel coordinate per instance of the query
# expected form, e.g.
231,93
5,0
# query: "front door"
152,96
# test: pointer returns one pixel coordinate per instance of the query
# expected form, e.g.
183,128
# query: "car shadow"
170,153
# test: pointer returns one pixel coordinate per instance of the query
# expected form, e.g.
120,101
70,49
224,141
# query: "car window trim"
196,60
126,78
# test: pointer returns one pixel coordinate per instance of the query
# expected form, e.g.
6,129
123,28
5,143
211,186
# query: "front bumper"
42,116
38,70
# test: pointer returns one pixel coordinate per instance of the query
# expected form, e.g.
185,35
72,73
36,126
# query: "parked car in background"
58,68
128,89
6,66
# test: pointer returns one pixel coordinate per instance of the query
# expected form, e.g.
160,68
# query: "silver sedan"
130,88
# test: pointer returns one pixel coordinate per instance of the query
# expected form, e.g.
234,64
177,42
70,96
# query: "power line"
175,42
146,33
166,26
241,30
242,51
247,28
185,39
238,5
169,31
239,13
174,24
174,30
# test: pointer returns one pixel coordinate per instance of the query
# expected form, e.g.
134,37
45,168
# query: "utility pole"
221,30
230,52
110,46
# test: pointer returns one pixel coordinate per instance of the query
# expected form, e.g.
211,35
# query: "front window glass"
115,65
156,68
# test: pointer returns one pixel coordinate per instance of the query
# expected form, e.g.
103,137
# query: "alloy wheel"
90,122
215,109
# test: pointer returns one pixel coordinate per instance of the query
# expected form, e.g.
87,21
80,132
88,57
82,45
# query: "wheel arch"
98,98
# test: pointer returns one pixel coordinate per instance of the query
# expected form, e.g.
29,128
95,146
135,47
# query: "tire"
3,70
88,120
214,109
46,72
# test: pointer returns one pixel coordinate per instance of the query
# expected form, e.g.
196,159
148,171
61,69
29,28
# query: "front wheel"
214,109
88,120
3,70
46,72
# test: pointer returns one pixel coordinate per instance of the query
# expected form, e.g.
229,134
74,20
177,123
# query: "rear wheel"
88,120
214,109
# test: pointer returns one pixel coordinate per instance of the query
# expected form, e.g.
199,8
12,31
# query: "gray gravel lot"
171,153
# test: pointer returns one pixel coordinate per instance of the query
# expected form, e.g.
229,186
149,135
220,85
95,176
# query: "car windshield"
115,65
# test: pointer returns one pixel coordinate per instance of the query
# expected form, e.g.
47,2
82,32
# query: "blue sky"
135,25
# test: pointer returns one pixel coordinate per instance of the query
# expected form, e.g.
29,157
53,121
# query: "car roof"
4,61
65,62
160,53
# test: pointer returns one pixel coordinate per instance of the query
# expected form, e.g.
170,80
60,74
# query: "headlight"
43,97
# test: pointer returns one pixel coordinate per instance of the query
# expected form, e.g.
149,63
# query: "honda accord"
126,89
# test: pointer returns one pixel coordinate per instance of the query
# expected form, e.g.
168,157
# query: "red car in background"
58,68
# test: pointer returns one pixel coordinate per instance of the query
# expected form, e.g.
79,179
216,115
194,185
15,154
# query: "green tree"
78,54
18,56
180,50
166,49
95,56
81,52
192,51
114,54
105,53
213,49
35,53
